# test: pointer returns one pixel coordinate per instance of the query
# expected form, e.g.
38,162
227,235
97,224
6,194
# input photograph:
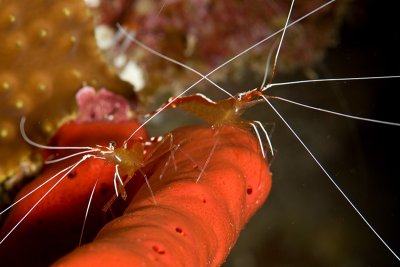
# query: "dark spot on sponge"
72,174
158,250
249,191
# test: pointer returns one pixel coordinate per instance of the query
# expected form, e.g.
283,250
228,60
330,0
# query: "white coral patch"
104,36
92,3
133,74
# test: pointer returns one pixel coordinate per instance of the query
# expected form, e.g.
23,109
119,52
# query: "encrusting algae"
47,53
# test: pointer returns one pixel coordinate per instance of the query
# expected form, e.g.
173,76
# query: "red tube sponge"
52,229
192,224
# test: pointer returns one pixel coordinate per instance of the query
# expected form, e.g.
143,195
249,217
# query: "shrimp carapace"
226,112
128,159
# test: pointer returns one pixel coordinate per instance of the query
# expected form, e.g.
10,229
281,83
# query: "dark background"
305,221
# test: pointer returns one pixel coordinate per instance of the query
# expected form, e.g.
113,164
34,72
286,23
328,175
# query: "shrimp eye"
112,145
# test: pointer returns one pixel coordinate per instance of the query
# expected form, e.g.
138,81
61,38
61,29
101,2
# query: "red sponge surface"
191,224
53,228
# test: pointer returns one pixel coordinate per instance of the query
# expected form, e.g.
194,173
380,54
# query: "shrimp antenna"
330,178
162,7
331,80
267,65
334,112
226,63
40,200
29,141
87,212
28,194
280,42
132,38
70,156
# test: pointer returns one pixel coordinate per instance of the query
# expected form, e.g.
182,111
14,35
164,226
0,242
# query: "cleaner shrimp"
127,160
294,239
325,231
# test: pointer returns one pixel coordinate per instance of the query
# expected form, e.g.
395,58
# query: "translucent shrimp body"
129,159
224,112
79,173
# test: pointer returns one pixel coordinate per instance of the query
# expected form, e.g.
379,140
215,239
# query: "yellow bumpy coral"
47,52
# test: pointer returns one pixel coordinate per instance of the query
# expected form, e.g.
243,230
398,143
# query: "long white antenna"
330,80
87,212
37,203
132,38
267,64
226,63
29,141
334,112
331,179
280,42
70,156
28,194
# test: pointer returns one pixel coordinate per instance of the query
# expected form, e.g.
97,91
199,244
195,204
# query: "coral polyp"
48,51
